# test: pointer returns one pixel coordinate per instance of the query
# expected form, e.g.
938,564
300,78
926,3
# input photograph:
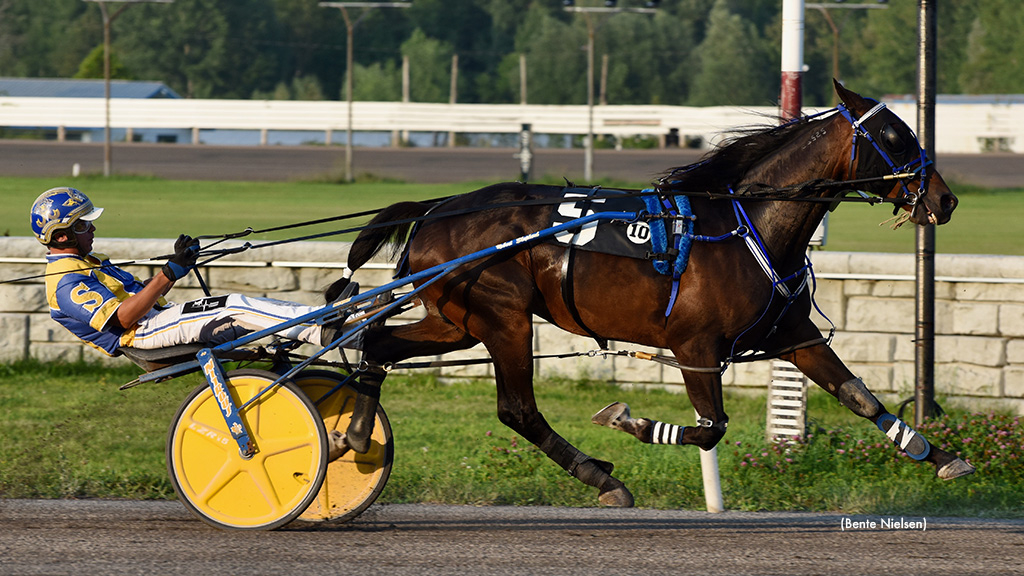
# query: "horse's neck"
787,226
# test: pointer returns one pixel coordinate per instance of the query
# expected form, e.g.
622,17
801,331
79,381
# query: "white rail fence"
960,128
979,317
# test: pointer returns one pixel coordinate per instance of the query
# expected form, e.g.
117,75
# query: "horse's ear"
855,102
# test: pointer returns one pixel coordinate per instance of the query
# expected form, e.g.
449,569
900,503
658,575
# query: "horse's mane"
744,147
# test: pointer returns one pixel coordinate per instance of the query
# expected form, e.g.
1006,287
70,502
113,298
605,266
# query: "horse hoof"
955,469
337,445
612,415
358,443
619,497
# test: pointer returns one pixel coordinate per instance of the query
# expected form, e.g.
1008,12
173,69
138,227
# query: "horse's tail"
379,232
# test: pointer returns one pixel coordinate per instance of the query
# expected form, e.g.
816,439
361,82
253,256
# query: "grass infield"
68,432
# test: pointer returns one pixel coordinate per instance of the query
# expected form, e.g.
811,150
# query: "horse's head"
883,145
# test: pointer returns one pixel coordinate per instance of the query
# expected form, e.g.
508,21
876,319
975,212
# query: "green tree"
92,66
691,51
307,88
201,48
648,58
46,38
555,56
995,50
467,27
879,49
733,68
378,82
429,67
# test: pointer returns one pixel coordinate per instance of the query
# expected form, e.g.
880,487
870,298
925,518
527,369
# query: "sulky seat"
155,359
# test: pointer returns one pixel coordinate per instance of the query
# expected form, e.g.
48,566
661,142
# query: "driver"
110,308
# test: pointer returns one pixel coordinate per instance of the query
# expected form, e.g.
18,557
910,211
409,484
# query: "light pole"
824,9
107,19
589,13
350,28
924,241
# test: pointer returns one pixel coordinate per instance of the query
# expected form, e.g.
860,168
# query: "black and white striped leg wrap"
662,433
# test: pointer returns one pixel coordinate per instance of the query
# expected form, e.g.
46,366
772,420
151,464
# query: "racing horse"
723,304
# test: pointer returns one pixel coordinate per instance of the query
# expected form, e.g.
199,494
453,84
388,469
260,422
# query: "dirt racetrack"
129,537
424,165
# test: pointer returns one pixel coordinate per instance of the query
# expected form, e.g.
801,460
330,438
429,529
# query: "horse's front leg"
704,389
821,364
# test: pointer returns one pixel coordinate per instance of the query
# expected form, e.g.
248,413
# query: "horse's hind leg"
821,365
431,336
511,348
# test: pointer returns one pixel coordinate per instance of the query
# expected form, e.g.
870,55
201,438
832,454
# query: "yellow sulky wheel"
265,491
354,480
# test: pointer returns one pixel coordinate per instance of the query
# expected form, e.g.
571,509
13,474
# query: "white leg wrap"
662,433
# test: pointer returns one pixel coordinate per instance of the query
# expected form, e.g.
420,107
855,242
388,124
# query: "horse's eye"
892,140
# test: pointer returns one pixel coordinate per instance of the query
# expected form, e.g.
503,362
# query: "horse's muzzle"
937,205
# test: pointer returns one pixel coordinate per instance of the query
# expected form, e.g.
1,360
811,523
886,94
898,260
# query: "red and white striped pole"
783,379
791,98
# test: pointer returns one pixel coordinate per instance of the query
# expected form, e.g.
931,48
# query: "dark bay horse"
724,303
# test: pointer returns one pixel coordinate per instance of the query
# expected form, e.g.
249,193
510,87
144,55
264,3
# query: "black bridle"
893,141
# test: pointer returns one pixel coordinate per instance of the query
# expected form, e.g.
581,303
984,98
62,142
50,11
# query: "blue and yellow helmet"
59,208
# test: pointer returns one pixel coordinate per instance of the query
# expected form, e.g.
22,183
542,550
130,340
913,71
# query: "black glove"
186,251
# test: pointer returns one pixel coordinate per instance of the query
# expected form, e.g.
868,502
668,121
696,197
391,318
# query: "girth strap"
569,284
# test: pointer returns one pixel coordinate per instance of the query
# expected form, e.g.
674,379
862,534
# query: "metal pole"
588,146
406,91
608,9
107,149
522,79
791,99
107,20
924,336
453,91
350,28
525,152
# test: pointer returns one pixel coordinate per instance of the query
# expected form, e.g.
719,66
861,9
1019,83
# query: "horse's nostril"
948,203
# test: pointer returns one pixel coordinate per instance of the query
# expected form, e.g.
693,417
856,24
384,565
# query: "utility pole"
350,28
590,14
109,18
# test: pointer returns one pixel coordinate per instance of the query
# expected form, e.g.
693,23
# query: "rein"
763,192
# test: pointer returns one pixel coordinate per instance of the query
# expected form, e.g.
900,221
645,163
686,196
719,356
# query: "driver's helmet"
59,208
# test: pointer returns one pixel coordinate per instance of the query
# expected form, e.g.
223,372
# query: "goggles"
82,226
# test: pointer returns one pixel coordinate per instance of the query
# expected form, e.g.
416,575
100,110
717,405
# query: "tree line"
690,52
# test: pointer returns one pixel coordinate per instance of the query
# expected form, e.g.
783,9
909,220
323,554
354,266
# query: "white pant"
219,319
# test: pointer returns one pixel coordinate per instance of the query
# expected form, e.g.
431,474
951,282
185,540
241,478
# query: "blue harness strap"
681,239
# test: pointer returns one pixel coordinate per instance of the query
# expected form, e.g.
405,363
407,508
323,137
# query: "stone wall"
869,297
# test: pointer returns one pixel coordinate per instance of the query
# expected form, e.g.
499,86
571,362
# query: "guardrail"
960,128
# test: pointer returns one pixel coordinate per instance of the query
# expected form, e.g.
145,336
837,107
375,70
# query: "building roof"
66,88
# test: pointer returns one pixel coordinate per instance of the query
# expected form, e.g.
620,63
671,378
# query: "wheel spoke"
257,472
223,477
